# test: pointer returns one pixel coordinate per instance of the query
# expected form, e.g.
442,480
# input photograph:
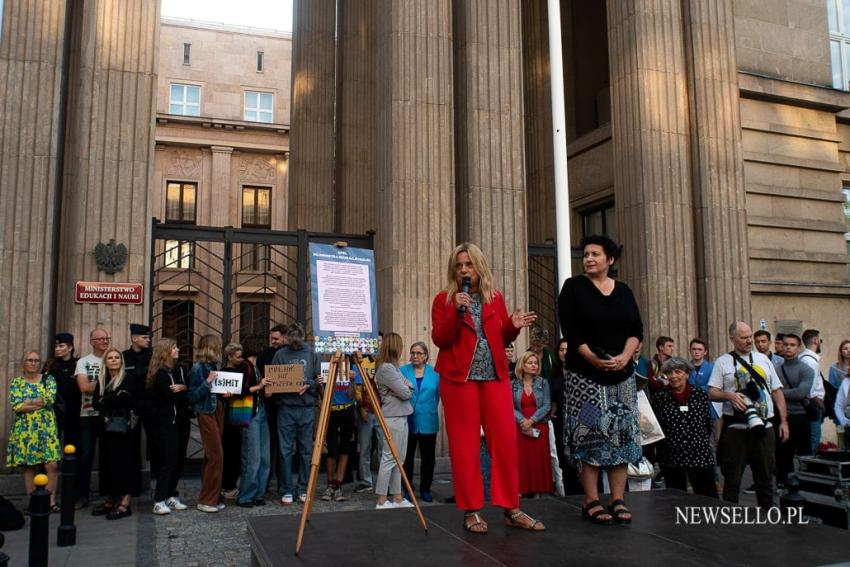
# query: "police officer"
137,358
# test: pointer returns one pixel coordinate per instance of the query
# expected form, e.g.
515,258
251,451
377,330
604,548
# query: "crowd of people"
538,423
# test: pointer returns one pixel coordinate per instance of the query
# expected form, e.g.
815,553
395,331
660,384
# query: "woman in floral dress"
34,439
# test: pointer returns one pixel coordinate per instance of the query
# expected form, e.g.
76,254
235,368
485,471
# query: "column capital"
221,149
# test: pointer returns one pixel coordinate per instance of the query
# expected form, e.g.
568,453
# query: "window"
260,61
253,319
847,218
838,14
258,106
178,322
600,221
180,202
185,100
1,19
187,52
178,254
256,213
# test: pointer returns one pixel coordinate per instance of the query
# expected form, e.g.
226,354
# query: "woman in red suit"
471,328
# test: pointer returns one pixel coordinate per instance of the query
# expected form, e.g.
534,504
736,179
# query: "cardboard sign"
284,378
227,383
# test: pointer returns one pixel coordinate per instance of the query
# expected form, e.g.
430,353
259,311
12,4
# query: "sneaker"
388,505
259,501
302,498
207,508
426,496
175,504
246,504
405,503
328,494
220,506
339,495
751,489
286,499
161,508
230,494
364,487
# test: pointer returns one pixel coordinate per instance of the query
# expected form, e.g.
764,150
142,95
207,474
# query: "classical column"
355,137
415,161
31,62
652,173
109,163
490,144
723,279
222,196
311,163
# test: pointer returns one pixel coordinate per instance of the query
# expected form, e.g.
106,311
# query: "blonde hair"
479,262
160,358
209,349
230,350
103,379
391,349
520,364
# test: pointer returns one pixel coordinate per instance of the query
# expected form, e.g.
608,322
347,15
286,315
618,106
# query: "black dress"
120,463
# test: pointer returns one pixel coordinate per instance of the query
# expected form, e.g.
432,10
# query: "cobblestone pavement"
194,538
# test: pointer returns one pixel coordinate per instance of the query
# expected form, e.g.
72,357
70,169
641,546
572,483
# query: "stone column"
224,201
109,162
415,161
355,160
723,278
652,173
31,67
311,163
490,144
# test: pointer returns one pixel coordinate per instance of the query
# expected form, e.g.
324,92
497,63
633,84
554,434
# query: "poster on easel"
345,312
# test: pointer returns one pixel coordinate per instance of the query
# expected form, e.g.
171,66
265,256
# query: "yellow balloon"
40,480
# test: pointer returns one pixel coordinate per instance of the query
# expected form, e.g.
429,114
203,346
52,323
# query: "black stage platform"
394,537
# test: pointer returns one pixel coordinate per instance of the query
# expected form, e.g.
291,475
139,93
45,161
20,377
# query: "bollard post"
66,534
39,522
4,559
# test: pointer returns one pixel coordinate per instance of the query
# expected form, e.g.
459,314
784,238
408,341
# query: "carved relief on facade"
184,164
257,168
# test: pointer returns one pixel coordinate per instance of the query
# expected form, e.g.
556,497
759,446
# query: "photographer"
747,383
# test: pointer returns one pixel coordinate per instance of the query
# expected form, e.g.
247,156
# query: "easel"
341,363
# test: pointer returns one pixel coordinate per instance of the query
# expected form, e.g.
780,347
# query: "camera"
751,414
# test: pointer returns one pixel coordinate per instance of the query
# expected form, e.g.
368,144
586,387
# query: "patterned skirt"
602,422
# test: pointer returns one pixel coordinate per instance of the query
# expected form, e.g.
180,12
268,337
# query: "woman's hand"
521,318
303,389
211,378
227,395
178,388
526,424
620,361
463,300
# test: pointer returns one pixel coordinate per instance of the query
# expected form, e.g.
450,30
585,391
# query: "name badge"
683,408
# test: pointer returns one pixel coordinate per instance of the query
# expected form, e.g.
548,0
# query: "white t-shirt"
725,377
812,359
90,366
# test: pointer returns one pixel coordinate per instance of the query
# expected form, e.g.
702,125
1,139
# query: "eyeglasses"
101,339
33,360
414,353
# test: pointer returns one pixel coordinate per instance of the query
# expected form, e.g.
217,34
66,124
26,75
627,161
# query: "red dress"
535,466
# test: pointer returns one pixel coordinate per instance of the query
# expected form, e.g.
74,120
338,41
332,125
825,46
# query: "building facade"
710,137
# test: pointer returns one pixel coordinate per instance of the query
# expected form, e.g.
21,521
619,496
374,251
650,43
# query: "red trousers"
468,406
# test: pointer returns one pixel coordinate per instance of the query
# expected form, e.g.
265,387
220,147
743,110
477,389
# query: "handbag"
117,424
643,469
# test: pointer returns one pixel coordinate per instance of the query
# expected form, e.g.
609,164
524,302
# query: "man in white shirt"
810,356
88,372
743,379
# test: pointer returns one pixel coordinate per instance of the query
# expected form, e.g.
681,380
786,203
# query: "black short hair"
279,328
662,340
793,336
611,248
809,335
779,336
761,333
698,341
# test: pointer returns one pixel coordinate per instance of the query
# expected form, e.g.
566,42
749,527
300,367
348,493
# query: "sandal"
55,509
520,519
119,512
594,517
477,525
619,513
103,509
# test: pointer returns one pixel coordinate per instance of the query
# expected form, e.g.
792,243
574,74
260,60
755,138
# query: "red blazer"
456,337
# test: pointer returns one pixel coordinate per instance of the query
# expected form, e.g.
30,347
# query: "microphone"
465,284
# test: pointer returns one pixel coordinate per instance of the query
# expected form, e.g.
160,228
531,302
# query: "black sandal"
103,509
478,522
618,513
594,517
119,512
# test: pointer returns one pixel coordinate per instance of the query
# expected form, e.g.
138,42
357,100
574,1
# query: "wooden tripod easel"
340,363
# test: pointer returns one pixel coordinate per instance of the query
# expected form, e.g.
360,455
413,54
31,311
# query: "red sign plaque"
108,292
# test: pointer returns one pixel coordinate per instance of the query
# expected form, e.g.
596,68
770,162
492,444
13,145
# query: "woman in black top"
167,383
63,367
601,322
685,417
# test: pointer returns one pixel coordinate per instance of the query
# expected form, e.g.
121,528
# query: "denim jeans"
364,439
89,432
256,463
295,429
815,430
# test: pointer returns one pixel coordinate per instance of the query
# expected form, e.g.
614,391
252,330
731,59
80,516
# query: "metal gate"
543,287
